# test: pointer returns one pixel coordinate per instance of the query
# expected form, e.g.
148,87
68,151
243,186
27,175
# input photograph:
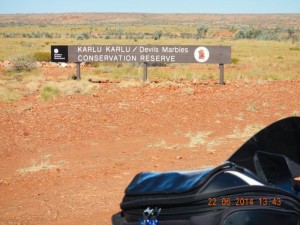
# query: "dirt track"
87,148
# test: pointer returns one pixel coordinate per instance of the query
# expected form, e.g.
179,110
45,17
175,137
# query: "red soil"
97,143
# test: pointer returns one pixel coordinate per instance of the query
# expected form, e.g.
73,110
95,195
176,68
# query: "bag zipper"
186,211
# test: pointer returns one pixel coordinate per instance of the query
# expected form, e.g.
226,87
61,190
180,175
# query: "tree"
202,31
157,35
291,32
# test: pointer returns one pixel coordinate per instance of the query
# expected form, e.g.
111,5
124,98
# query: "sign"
142,53
59,53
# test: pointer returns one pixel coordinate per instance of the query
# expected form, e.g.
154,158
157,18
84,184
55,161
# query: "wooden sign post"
146,54
221,68
145,77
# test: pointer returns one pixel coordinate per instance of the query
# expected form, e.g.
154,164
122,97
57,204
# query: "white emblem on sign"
201,54
56,51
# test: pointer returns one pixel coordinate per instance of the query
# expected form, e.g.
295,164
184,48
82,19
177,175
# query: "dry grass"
166,84
8,95
52,90
201,139
32,87
252,108
164,145
248,132
258,59
213,144
70,87
296,113
14,85
130,83
188,91
196,139
123,105
240,117
41,164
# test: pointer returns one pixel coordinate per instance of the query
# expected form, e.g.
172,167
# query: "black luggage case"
257,191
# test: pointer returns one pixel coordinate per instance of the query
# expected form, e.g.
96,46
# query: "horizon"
153,7
148,13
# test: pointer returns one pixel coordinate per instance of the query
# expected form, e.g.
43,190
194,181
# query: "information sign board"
142,53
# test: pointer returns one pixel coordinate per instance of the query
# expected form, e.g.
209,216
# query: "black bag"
256,186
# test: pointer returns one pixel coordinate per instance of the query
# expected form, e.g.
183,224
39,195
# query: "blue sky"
150,6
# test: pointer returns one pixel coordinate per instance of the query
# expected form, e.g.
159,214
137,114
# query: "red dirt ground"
87,148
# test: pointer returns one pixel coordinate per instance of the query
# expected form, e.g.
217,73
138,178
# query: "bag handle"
278,170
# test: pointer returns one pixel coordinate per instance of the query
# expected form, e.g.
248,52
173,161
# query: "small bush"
235,60
291,32
187,35
295,48
42,56
94,64
254,33
202,31
83,36
247,33
267,35
23,63
49,93
157,35
233,29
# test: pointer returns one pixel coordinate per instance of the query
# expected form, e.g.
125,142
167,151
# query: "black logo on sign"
59,53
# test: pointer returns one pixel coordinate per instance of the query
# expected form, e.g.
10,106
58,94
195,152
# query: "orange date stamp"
244,201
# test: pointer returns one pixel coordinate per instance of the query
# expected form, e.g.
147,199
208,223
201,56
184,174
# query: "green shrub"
297,48
235,60
291,32
23,63
202,31
233,29
254,33
157,35
83,36
49,93
247,33
42,56
267,35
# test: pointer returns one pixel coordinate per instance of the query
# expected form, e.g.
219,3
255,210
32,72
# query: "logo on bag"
201,54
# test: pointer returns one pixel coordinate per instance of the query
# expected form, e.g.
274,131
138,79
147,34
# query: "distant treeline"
201,32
